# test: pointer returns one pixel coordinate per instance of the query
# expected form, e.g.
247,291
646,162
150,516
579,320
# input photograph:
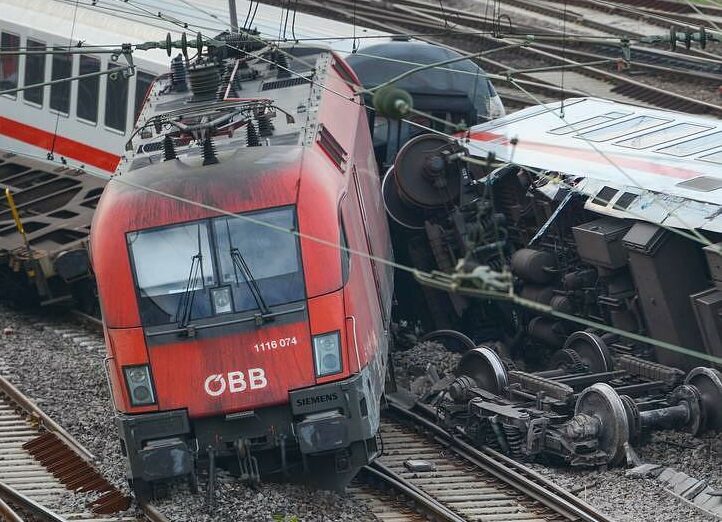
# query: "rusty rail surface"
41,461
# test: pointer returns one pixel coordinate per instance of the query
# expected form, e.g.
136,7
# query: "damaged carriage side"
605,215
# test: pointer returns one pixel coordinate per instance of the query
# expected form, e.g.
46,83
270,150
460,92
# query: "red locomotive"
245,318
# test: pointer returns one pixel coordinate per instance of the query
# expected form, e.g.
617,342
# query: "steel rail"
7,513
90,321
425,503
152,513
693,57
629,87
29,504
622,85
640,9
17,397
515,474
646,13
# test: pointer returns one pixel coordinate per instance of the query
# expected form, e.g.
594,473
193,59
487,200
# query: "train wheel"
486,368
451,339
601,401
708,383
592,350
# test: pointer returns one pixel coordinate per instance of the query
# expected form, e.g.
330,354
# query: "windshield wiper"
240,264
185,305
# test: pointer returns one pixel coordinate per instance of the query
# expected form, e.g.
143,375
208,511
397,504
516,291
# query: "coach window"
143,81
589,122
665,135
34,72
617,130
695,146
60,92
715,157
116,100
88,89
9,63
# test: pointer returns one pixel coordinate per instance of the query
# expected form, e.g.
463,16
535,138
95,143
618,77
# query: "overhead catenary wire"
331,244
694,232
57,116
419,274
701,238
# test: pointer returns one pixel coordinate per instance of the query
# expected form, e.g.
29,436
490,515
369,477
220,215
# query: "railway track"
420,16
442,478
465,484
46,474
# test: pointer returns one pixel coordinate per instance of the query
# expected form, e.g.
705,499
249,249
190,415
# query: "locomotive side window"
60,92
34,72
88,89
251,250
168,262
345,254
9,63
143,81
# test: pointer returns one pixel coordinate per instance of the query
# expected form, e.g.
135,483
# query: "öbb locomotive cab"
238,328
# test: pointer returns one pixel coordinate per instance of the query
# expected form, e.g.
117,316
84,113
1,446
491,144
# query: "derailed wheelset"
585,411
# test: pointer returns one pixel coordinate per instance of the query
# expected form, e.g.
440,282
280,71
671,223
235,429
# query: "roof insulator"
226,73
265,126
168,149
282,65
209,152
205,79
178,74
252,139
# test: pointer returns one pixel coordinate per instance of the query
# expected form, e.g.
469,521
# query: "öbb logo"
235,382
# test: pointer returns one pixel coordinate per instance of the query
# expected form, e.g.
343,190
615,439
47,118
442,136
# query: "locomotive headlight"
327,353
222,300
139,385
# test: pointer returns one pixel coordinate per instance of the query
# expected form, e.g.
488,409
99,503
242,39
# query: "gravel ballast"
68,382
626,499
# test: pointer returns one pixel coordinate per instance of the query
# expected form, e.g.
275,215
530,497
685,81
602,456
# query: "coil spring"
209,152
168,148
282,65
515,440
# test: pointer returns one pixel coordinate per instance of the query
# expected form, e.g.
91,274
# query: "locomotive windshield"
219,266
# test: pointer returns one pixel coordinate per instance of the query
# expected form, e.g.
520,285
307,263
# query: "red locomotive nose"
237,371
243,311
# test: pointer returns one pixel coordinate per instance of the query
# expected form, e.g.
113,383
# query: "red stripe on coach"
63,146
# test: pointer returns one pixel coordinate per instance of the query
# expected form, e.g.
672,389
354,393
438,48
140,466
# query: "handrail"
355,340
